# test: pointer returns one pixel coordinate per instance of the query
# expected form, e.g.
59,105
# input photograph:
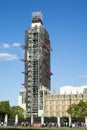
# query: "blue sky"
66,22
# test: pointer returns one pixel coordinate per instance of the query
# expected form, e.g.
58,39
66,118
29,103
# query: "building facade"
57,105
37,65
21,98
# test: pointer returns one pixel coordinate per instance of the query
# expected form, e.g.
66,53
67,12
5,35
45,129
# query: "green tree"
78,110
82,108
16,110
4,109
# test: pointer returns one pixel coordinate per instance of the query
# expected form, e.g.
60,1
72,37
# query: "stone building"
57,105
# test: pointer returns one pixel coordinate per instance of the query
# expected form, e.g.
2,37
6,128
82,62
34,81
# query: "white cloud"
5,45
84,76
16,44
7,56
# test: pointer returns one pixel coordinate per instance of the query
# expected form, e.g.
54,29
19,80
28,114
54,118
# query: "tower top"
37,17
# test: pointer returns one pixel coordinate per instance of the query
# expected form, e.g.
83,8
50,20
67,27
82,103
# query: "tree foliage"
4,109
11,111
16,110
78,110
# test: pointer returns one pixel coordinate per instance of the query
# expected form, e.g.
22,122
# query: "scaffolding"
37,64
